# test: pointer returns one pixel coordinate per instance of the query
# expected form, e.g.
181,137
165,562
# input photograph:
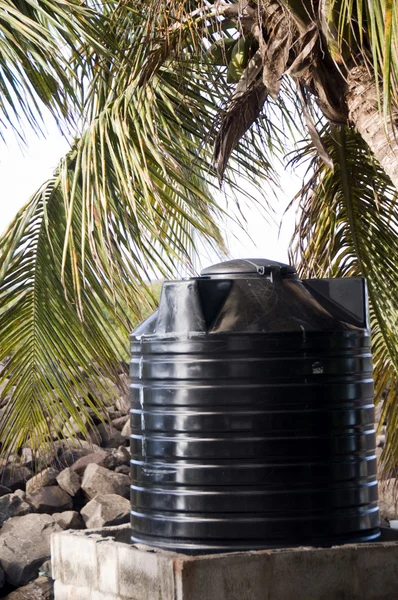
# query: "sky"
23,170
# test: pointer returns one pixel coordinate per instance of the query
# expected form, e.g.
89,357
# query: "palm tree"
168,82
128,202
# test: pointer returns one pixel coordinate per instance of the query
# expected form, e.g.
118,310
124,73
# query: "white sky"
22,171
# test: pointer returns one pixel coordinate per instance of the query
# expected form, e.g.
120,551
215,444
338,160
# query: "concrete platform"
102,565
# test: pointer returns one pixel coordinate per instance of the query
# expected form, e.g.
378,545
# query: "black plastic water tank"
252,412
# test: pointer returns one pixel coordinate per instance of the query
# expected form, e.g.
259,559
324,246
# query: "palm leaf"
367,31
43,44
128,203
348,227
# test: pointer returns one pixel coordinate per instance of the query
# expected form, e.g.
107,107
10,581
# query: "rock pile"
88,485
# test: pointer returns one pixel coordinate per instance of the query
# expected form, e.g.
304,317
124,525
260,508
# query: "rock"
114,414
46,569
123,404
388,499
96,458
76,449
5,396
27,457
108,391
45,455
21,494
4,401
13,459
97,480
25,545
120,422
94,416
72,429
69,481
126,431
106,509
69,519
50,499
2,578
380,441
15,477
11,505
39,589
55,426
111,437
116,458
123,469
89,446
71,455
42,479
4,490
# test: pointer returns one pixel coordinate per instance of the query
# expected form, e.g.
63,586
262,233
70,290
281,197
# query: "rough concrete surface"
100,565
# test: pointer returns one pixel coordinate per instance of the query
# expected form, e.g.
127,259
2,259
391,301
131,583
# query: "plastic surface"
252,413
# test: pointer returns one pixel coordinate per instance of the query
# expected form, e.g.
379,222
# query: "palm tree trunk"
364,114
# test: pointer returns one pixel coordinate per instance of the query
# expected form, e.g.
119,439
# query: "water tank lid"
249,266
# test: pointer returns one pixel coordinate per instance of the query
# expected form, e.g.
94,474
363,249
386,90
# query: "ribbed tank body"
250,439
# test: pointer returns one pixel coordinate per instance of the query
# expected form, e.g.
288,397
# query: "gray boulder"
120,422
81,464
39,589
69,481
106,509
25,545
126,431
12,505
27,457
71,455
97,480
69,519
44,456
72,429
4,490
46,569
50,499
380,441
15,477
21,494
81,445
123,404
111,437
116,458
5,397
43,479
123,469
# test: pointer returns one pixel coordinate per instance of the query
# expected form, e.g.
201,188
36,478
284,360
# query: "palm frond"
43,44
52,301
367,32
127,204
348,227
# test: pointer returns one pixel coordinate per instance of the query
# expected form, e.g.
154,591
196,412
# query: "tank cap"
252,267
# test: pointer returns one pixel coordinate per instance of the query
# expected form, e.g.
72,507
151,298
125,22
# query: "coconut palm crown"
167,96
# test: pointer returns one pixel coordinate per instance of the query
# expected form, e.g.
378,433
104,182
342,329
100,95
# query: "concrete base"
102,565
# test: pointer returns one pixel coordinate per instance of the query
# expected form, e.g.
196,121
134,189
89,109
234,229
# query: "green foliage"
152,86
367,30
348,227
43,44
126,205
